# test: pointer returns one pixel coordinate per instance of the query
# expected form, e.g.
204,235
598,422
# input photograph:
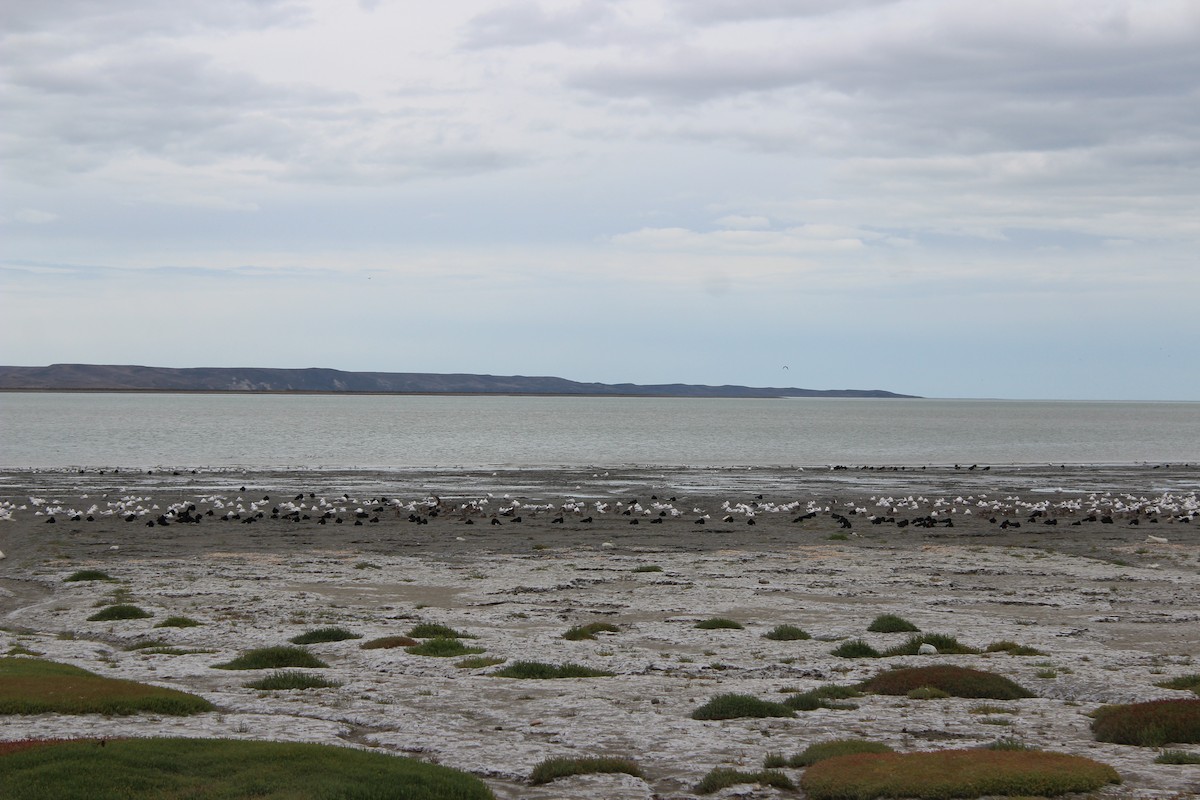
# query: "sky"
947,199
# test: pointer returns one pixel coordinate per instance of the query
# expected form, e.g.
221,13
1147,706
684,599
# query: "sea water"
256,431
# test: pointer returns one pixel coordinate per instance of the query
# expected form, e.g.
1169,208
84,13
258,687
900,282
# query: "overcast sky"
953,199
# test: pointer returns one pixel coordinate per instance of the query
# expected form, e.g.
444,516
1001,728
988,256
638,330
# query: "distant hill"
99,377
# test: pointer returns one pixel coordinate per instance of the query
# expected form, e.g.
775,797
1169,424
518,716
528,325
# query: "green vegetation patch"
324,635
954,773
648,568
819,751
209,769
430,630
479,662
443,648
554,768
89,575
855,648
36,686
891,623
786,633
1186,682
536,670
946,645
718,623
178,622
829,696
291,679
955,681
1177,757
735,706
388,643
1013,649
589,631
724,777
119,611
1151,724
274,658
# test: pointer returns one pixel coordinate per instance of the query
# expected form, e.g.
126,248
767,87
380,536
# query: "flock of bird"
1007,511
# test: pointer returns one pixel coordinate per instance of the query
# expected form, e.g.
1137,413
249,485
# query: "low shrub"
274,658
554,768
119,611
89,575
926,693
169,769
946,645
786,633
442,648
954,773
828,696
388,643
724,777
430,630
1177,757
856,648
1151,724
290,679
716,623
178,622
1191,682
956,681
36,686
1012,648
536,670
735,706
324,635
589,631
890,623
648,568
820,751
479,662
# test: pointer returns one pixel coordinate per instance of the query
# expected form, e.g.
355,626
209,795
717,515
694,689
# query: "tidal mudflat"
1092,571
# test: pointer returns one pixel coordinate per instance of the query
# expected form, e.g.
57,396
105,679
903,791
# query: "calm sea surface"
336,432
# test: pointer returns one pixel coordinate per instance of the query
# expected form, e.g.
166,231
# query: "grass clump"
536,670
324,635
442,648
829,696
290,679
36,686
89,575
820,751
856,648
724,777
786,633
274,658
954,773
1151,724
388,643
891,623
736,706
589,631
926,693
955,681
178,622
554,768
1012,648
431,630
717,623
119,611
648,568
479,662
167,769
1177,757
946,645
1186,682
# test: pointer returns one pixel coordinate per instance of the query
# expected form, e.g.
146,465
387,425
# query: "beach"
515,558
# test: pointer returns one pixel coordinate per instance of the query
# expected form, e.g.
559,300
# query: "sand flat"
1114,610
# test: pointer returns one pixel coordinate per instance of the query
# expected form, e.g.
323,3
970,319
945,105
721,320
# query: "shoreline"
1102,601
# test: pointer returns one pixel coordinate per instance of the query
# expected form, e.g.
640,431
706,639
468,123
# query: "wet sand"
1113,605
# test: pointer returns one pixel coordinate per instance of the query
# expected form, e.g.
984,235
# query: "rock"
927,649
